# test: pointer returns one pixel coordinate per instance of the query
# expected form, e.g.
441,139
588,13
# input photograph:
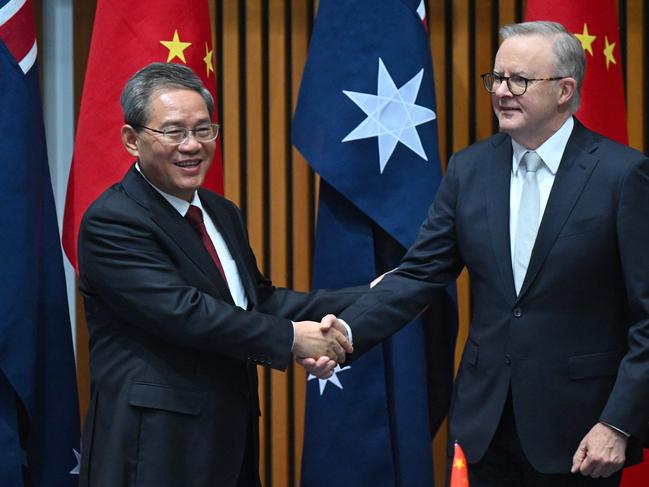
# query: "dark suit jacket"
574,345
172,360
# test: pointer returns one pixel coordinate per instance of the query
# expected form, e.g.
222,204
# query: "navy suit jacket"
172,360
573,347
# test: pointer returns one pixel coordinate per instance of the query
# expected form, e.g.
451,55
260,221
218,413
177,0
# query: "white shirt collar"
178,203
551,151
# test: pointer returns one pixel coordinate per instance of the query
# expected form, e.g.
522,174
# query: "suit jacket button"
508,359
518,312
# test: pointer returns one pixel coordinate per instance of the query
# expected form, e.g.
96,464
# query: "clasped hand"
318,347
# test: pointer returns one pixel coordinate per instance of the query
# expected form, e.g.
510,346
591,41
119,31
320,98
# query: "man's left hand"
601,453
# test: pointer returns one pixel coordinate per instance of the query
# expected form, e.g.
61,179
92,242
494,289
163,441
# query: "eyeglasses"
178,135
517,84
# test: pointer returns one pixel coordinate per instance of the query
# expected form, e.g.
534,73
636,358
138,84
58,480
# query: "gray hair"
569,54
152,78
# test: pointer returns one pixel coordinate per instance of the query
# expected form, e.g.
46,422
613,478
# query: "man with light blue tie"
552,222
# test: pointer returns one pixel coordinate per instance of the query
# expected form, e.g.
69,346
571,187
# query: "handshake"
318,347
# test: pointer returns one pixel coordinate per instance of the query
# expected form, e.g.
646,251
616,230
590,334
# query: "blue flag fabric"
39,412
365,121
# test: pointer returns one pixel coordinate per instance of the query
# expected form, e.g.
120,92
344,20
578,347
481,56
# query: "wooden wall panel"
637,16
278,143
227,49
261,48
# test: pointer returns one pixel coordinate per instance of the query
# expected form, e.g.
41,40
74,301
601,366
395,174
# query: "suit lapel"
236,242
174,225
576,166
497,183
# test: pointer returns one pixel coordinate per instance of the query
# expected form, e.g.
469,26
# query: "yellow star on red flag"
460,471
176,48
608,52
586,39
209,63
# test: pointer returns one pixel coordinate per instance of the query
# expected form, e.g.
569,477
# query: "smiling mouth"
187,163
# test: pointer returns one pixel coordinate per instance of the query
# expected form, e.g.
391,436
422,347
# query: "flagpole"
58,114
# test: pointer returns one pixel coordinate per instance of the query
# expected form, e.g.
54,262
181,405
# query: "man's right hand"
312,341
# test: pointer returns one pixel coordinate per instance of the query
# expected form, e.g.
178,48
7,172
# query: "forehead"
176,104
525,54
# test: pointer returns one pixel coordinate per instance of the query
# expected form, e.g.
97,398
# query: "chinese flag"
126,36
460,471
595,25
602,102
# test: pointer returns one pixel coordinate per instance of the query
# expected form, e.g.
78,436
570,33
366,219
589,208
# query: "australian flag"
39,412
365,121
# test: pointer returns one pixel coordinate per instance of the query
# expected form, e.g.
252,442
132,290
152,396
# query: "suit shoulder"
476,152
114,205
111,198
610,148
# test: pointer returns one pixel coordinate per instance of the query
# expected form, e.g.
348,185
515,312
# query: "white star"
333,379
392,115
75,470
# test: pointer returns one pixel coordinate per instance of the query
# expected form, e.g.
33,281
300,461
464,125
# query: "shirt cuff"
350,337
616,429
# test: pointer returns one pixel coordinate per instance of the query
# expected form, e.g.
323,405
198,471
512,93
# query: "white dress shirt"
229,265
551,151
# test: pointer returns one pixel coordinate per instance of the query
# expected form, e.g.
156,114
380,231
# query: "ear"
129,139
567,90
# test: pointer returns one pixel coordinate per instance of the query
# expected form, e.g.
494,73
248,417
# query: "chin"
507,124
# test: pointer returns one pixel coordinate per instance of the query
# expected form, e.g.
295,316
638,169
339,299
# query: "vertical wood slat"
227,49
302,217
484,56
278,139
636,76
252,173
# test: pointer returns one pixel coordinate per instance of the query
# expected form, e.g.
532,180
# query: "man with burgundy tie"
551,221
177,311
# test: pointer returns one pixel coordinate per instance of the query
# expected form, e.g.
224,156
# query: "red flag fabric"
602,103
126,36
595,25
460,470
638,475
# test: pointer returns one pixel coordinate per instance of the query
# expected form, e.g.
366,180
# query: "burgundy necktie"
195,217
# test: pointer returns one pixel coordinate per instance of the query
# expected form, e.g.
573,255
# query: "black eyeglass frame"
489,86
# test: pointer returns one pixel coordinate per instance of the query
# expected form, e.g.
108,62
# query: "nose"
503,90
190,144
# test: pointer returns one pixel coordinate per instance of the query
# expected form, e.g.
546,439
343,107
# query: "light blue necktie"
528,217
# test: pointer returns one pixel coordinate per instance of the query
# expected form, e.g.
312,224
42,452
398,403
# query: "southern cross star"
322,383
392,115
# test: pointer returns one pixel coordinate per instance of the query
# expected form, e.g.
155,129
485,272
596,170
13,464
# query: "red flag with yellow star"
595,25
602,103
126,36
460,470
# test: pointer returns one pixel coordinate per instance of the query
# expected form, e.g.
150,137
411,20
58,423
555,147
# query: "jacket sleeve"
127,273
433,261
628,404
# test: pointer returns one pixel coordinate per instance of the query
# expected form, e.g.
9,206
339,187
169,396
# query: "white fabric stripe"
10,10
421,10
30,58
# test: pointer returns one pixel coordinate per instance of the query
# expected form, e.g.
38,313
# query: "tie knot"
194,215
531,161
